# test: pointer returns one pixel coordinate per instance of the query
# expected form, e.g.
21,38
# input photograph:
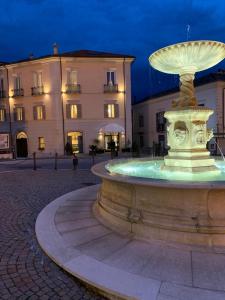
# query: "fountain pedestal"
187,136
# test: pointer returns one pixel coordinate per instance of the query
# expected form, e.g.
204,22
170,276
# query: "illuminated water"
151,169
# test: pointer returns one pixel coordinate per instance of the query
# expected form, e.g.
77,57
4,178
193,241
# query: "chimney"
55,49
31,56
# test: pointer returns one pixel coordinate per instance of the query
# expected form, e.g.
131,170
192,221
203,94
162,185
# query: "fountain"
180,199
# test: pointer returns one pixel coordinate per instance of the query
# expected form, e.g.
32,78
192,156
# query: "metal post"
34,161
56,161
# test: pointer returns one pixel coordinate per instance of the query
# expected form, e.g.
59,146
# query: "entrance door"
21,145
108,138
76,140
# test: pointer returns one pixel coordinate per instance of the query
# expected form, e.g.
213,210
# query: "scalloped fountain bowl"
193,56
137,197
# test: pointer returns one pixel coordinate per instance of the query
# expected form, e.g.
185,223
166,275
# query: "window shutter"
44,112
113,77
35,112
14,114
39,79
23,113
68,113
116,110
68,77
74,77
34,79
79,113
106,111
108,77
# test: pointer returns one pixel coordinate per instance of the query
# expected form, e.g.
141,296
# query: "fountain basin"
182,211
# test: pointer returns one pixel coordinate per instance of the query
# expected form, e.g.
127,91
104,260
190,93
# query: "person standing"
75,161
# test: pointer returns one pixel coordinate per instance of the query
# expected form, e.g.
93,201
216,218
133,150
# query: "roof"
209,78
78,53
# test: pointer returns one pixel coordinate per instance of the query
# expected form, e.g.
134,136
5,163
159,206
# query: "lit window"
2,114
39,110
41,143
111,77
72,77
73,111
111,111
37,79
19,113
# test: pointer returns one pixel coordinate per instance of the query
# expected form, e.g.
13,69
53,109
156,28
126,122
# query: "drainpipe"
63,121
10,119
124,101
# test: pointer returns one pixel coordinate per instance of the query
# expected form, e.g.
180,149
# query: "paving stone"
23,195
209,270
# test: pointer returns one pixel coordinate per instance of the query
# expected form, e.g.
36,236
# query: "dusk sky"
136,27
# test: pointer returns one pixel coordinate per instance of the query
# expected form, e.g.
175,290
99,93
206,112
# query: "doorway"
108,138
75,138
21,145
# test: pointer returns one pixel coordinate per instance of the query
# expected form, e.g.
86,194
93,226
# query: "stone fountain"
187,132
183,200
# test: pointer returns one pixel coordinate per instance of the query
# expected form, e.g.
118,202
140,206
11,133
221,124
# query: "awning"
113,127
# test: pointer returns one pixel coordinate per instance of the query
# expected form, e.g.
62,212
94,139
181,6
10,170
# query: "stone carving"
180,132
209,134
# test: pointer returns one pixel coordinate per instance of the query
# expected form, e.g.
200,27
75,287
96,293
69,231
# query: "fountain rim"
183,44
101,171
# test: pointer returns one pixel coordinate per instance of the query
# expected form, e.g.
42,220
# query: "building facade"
74,97
149,124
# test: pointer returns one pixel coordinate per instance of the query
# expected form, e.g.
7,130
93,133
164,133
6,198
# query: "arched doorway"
21,145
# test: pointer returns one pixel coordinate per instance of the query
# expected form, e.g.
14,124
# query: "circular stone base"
120,266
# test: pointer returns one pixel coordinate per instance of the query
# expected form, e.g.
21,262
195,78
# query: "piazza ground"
25,271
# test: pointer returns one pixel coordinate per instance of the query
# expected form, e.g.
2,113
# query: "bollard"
34,162
56,161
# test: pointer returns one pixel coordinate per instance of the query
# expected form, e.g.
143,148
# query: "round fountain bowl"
188,57
175,207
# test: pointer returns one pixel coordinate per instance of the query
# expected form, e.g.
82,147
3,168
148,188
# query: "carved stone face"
179,136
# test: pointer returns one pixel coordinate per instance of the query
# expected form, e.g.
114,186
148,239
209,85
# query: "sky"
135,27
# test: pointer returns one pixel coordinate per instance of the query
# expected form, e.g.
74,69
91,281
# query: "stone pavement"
122,265
25,271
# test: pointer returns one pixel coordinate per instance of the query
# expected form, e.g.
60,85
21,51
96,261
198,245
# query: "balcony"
2,94
37,90
73,89
17,93
110,88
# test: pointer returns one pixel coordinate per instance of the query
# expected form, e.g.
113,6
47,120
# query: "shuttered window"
2,115
19,114
41,143
111,110
39,112
111,77
73,111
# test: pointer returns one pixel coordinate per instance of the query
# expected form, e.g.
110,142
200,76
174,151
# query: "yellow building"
74,97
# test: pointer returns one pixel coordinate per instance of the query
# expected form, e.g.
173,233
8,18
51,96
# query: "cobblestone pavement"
25,271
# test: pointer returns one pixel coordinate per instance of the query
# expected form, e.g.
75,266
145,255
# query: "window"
19,114
73,111
2,115
41,143
160,121
72,77
17,82
39,112
37,79
141,121
111,77
111,110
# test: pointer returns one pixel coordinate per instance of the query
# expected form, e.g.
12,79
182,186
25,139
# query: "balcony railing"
2,94
73,88
110,88
18,92
37,90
